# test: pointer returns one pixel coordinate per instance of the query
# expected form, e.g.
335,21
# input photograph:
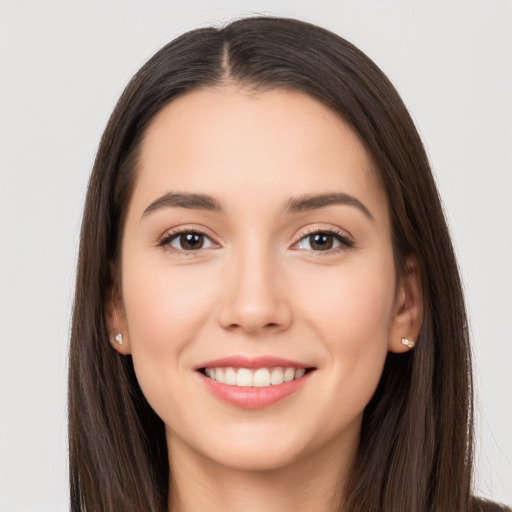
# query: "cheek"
165,309
356,305
163,304
352,317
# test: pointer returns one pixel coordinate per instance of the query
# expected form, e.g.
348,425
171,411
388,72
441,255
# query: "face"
258,292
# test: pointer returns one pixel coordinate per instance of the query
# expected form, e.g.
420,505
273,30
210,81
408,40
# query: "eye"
324,241
187,241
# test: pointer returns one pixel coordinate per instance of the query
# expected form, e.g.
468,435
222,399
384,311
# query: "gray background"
63,65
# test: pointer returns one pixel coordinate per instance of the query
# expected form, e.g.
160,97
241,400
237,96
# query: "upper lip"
241,361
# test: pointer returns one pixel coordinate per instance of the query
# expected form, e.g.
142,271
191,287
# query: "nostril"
233,326
250,316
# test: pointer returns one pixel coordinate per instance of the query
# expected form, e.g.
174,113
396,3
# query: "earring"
118,338
407,343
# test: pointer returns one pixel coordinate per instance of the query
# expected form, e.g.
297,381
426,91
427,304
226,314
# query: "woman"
268,312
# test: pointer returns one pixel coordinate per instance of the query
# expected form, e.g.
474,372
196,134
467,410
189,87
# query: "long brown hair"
415,452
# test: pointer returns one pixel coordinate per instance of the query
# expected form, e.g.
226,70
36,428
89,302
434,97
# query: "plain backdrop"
63,64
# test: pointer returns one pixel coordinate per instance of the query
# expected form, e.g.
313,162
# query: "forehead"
224,140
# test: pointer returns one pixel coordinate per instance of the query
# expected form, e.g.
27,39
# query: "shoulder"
481,505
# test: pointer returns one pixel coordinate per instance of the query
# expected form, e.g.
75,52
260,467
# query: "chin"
256,457
264,447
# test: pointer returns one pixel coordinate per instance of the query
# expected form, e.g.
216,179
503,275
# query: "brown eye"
188,241
191,241
321,241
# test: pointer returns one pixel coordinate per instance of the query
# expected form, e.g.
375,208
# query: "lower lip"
251,397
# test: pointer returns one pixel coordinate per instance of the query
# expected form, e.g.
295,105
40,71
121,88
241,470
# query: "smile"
257,378
254,382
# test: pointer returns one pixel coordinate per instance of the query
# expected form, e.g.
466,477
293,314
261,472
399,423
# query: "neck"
312,482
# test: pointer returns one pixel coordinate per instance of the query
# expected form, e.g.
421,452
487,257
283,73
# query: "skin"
258,287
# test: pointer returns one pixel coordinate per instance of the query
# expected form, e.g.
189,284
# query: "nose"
255,299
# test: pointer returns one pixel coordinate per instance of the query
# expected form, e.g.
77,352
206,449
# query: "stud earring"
407,343
118,339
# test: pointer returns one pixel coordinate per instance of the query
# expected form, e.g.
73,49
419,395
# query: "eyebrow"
295,204
184,200
315,201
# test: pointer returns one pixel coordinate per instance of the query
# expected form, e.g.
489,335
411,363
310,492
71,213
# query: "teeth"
259,378
220,374
289,374
230,377
276,377
243,377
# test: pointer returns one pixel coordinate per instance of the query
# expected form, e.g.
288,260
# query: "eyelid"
345,239
171,234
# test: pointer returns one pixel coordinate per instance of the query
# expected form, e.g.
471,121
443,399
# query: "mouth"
254,382
254,377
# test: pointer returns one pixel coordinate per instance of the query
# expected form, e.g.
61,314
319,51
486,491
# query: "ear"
115,319
408,309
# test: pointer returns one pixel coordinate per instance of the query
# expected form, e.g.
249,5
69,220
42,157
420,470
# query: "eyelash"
345,241
166,240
